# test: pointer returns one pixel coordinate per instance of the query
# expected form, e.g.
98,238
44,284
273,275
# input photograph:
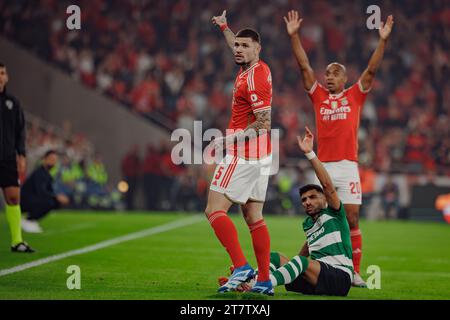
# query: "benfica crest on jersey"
334,104
344,101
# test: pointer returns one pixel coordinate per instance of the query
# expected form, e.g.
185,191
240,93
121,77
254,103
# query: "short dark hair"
2,65
309,187
49,152
249,33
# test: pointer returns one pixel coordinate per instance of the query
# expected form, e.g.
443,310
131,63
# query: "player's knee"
12,200
251,219
352,216
248,219
353,220
208,211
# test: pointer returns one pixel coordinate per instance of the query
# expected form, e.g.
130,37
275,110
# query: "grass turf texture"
185,263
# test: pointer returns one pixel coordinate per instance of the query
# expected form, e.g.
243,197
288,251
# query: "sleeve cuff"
362,89
262,109
313,88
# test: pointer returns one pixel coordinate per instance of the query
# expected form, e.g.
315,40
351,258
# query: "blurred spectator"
38,197
80,175
390,198
169,174
96,174
68,175
368,176
131,165
151,172
184,193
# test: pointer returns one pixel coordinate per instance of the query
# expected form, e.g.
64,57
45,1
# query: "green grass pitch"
184,263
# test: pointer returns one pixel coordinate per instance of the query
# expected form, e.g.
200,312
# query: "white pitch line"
76,227
104,244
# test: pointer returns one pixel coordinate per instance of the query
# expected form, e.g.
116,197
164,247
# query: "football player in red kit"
242,176
337,113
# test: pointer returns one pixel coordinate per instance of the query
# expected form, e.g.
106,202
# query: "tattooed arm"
263,122
261,126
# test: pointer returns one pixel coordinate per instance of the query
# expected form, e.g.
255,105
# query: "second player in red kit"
337,112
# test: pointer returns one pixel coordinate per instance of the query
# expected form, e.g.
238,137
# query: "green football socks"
288,272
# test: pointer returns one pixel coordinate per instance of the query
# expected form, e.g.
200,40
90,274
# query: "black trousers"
130,195
37,208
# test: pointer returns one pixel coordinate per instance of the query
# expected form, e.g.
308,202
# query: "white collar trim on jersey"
338,95
249,69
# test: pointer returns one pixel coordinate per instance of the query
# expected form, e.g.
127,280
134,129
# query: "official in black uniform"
38,197
12,160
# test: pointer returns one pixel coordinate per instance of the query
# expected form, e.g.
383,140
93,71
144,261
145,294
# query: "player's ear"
6,75
258,48
324,201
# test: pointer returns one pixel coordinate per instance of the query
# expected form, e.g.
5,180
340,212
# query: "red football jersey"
337,121
252,93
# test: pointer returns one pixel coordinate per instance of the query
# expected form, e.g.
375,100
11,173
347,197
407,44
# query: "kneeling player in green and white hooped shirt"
329,271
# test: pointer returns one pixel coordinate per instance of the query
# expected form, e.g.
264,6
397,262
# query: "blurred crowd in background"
165,60
80,174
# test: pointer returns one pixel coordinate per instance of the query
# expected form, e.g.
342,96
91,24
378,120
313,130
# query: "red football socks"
355,235
227,234
261,246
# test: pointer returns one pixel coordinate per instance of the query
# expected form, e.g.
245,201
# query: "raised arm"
221,22
292,26
374,63
306,145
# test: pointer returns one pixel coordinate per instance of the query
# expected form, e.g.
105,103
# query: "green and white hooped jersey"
329,239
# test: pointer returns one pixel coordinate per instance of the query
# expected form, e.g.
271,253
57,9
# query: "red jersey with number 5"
252,93
337,121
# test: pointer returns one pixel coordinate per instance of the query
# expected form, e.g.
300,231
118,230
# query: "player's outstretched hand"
306,144
220,20
62,199
386,28
292,22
